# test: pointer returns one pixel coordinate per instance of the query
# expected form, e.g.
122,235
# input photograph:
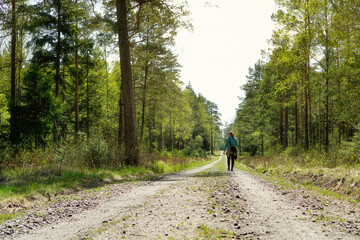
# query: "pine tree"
37,106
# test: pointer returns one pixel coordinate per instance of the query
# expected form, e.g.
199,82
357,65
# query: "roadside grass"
19,186
207,232
342,182
9,216
217,170
164,167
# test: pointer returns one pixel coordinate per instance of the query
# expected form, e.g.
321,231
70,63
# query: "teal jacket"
230,141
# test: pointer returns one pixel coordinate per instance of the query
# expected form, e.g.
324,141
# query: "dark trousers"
232,158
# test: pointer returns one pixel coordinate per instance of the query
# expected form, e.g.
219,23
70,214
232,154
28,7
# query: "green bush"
96,153
195,148
290,152
356,140
161,167
274,151
349,153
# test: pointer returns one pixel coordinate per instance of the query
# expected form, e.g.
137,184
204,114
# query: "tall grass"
346,154
86,164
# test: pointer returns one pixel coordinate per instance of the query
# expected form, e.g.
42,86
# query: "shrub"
195,148
161,167
290,152
349,153
273,151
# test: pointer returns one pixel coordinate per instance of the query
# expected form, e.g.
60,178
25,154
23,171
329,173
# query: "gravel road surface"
203,203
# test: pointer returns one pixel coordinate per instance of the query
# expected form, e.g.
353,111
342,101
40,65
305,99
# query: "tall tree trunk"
57,67
172,133
77,129
240,142
302,111
150,128
319,122
306,118
211,138
58,49
327,66
286,127
14,132
144,102
339,102
37,110
87,102
121,130
211,133
107,84
296,116
307,40
326,115
332,118
281,127
20,62
310,135
160,140
131,143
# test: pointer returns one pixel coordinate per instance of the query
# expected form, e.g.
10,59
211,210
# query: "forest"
102,138
96,84
302,98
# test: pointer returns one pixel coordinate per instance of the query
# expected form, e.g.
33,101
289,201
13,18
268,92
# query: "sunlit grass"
296,177
217,170
23,182
207,232
9,216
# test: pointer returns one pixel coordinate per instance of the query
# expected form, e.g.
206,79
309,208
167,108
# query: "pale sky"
226,41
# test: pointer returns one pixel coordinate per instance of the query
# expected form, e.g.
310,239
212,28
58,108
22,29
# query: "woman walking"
230,149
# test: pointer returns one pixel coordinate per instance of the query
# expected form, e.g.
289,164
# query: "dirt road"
204,203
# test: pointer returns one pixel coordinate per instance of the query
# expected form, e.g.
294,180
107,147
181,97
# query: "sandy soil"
204,203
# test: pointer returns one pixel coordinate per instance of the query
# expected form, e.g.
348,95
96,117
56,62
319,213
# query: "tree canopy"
75,71
304,93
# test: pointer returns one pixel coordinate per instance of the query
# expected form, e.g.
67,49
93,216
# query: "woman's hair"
231,133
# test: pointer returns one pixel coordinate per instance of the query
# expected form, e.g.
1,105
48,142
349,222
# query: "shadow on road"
211,174
180,177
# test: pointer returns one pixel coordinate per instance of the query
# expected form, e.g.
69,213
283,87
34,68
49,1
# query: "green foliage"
195,148
53,171
302,98
349,152
95,153
161,167
291,151
63,42
38,107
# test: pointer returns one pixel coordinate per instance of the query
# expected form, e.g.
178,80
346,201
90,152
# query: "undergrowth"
41,180
342,181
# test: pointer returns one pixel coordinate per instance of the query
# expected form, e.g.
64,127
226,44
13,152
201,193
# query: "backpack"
233,149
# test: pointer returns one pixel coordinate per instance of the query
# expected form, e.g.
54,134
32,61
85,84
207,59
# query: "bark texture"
130,132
